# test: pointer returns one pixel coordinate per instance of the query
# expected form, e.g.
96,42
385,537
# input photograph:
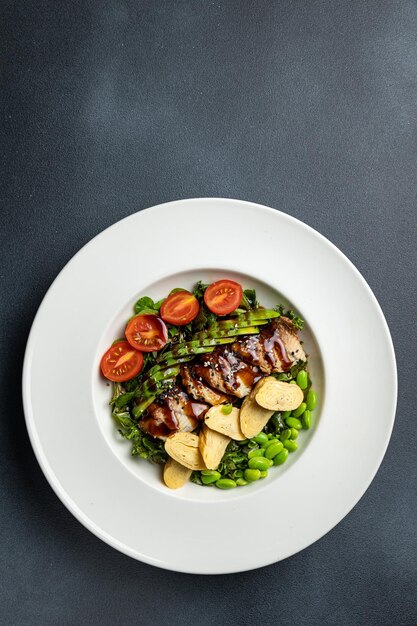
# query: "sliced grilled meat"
229,369
198,389
225,371
172,411
276,349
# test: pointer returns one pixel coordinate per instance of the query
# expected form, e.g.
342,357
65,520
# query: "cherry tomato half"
180,308
223,296
147,333
121,362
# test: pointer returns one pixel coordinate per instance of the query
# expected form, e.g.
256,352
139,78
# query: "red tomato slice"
223,296
180,308
147,333
121,362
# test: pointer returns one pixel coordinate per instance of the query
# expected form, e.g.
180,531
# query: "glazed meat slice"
198,389
225,371
172,411
276,349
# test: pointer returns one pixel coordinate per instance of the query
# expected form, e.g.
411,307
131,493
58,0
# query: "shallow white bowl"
121,499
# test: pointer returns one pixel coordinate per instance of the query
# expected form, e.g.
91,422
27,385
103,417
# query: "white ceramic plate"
122,500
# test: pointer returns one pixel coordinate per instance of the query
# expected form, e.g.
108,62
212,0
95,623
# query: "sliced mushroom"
228,425
175,474
253,417
212,446
183,448
276,395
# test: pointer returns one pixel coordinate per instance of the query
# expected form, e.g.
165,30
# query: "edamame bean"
209,479
290,445
241,482
298,412
227,409
257,452
294,433
311,400
306,419
261,438
286,414
286,434
272,440
259,463
302,379
270,435
226,483
281,457
251,475
264,474
293,422
293,382
273,449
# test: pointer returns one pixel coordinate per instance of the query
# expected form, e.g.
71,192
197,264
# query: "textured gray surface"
113,106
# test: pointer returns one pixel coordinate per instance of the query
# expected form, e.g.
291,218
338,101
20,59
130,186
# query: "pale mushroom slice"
183,448
175,474
228,425
276,395
253,417
212,446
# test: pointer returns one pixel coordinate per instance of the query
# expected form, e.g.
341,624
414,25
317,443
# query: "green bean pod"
298,412
259,463
306,419
273,449
252,475
254,453
311,400
290,445
293,422
226,483
286,434
302,379
261,438
281,457
208,477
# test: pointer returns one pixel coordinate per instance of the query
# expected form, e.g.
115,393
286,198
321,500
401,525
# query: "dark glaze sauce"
155,427
162,419
269,345
273,345
234,372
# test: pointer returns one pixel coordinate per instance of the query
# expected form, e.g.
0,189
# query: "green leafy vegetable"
124,399
292,373
249,300
292,315
131,399
176,290
146,306
143,445
199,289
203,319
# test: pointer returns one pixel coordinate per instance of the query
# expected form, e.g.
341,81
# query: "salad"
210,385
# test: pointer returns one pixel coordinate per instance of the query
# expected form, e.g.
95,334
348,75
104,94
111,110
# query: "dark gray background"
114,106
